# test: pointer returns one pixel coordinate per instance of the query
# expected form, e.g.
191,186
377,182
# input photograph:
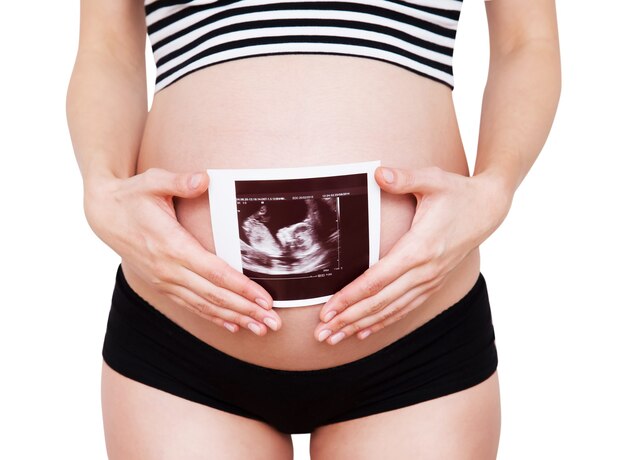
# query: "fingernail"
261,302
230,326
323,335
194,182
271,323
388,175
364,334
337,337
330,315
254,328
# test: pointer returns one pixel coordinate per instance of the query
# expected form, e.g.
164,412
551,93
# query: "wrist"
497,196
98,183
500,184
98,174
98,187
100,168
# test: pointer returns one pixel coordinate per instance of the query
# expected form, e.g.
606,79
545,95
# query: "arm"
134,213
522,90
455,214
106,98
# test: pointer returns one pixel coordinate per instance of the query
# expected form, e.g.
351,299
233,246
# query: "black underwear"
453,351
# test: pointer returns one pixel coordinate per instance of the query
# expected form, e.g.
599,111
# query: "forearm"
106,112
519,105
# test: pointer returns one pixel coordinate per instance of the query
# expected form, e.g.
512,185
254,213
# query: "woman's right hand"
136,218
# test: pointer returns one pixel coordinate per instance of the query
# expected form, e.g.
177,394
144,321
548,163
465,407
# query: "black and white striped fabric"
188,35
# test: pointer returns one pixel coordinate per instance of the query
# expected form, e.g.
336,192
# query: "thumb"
400,181
185,185
197,184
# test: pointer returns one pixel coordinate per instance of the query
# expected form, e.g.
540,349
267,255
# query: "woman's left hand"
454,215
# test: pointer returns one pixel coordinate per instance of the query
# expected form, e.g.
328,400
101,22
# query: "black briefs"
453,351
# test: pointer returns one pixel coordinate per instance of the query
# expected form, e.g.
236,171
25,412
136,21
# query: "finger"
187,252
400,259
345,321
402,305
206,309
394,312
397,180
206,264
228,300
386,304
185,185
220,322
411,305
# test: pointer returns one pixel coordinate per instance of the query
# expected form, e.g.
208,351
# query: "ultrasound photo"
303,238
302,233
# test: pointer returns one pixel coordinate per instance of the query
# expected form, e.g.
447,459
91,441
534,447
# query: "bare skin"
288,111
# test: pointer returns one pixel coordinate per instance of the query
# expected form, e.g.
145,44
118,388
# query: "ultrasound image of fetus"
293,237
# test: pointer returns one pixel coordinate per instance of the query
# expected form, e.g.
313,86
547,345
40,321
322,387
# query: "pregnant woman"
401,361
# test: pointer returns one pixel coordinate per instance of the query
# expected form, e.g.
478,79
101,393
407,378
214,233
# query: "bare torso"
294,110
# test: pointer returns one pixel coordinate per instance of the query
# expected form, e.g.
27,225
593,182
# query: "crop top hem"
282,53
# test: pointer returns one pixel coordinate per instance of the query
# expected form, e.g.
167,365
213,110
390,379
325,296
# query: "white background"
555,268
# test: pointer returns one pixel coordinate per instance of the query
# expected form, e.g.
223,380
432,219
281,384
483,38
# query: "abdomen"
284,111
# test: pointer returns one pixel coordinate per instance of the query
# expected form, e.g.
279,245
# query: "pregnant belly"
285,111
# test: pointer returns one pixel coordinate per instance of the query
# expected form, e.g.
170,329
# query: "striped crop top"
188,35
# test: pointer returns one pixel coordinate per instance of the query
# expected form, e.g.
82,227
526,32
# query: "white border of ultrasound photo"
224,219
